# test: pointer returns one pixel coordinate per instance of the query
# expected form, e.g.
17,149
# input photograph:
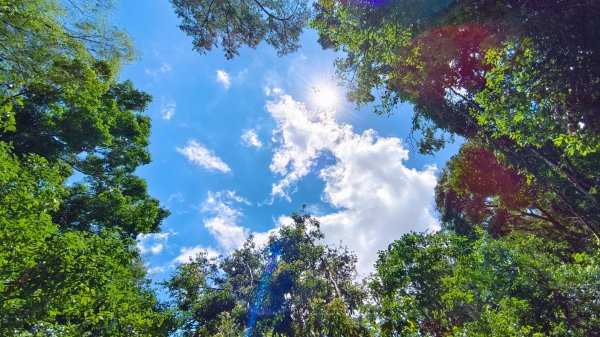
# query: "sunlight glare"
325,96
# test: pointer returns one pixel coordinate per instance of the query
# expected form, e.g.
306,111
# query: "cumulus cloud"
201,156
378,198
250,138
167,110
302,136
224,78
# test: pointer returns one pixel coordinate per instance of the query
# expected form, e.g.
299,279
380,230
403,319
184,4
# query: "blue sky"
237,145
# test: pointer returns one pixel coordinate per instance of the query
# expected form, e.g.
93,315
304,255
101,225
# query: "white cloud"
224,78
241,75
167,110
378,198
302,137
164,69
250,138
153,244
272,91
262,238
199,155
223,223
188,253
156,270
231,195
178,197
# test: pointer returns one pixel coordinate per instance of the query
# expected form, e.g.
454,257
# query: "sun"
325,96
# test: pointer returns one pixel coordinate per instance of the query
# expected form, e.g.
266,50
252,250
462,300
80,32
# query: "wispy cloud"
222,222
188,253
178,197
201,156
272,91
224,78
167,109
156,270
250,138
377,196
222,225
153,244
163,69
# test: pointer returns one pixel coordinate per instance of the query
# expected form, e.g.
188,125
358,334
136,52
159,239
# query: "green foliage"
68,260
67,282
295,286
519,287
407,285
391,59
233,23
477,191
519,77
106,140
84,284
369,39
443,285
29,190
63,103
77,46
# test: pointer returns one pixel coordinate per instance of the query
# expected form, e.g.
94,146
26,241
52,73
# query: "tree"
445,51
63,281
478,191
407,286
69,263
63,103
105,140
233,23
516,75
291,287
78,48
524,286
30,188
519,285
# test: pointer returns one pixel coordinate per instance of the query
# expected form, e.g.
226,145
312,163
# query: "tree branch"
271,15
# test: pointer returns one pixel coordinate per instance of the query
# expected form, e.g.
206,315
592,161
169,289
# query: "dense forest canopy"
517,254
69,264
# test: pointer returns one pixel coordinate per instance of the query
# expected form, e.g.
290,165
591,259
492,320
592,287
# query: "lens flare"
274,257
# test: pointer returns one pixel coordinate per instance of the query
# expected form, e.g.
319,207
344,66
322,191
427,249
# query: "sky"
237,145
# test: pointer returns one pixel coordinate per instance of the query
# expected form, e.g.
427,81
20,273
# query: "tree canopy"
69,264
517,253
231,24
443,285
517,76
517,80
293,286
